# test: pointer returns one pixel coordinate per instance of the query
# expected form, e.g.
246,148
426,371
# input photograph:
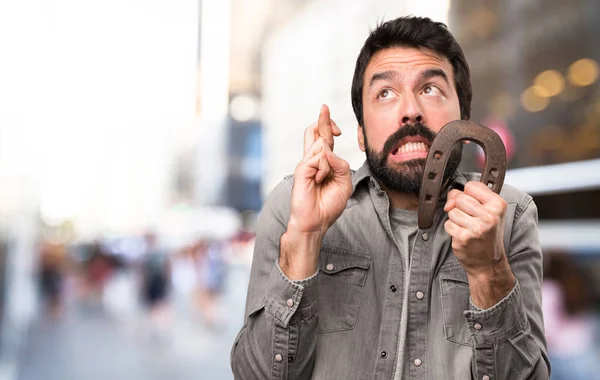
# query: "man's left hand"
476,226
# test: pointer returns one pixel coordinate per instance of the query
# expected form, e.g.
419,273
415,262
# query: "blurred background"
139,138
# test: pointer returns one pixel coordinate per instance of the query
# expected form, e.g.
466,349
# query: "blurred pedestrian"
52,266
213,270
155,285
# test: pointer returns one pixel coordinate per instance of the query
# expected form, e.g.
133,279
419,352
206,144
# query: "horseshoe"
437,158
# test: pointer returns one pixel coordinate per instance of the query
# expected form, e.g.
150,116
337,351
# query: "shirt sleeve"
279,335
508,338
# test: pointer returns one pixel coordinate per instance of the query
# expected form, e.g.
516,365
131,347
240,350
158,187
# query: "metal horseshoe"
437,158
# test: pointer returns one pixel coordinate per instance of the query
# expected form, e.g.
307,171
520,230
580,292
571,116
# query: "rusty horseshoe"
437,158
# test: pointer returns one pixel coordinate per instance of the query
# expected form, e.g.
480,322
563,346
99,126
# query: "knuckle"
457,245
470,186
321,141
466,237
448,226
502,205
452,213
487,218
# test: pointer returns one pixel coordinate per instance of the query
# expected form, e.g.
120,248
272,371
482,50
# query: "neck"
406,201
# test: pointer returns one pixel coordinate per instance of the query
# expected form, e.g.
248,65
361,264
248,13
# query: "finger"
310,169
462,219
335,129
323,169
486,196
339,166
324,125
453,229
469,205
318,146
479,191
451,201
309,136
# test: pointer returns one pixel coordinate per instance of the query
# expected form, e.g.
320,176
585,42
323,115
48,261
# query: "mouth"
410,148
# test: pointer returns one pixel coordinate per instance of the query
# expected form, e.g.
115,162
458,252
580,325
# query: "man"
344,285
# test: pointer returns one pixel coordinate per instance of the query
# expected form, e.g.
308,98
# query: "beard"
407,176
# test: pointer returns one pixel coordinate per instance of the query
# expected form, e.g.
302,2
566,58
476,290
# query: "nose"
411,111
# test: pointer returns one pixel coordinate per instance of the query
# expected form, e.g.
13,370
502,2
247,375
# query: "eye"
385,94
431,90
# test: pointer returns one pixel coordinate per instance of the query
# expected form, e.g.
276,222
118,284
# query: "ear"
360,133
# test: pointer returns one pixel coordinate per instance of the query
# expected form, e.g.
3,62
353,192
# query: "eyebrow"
385,75
425,75
433,73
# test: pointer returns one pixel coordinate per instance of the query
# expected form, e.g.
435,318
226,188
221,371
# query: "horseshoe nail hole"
437,155
494,172
490,184
432,176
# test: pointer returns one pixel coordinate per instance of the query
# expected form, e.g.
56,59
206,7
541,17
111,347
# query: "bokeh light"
550,83
532,101
583,72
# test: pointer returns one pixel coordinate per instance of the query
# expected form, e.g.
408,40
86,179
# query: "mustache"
408,130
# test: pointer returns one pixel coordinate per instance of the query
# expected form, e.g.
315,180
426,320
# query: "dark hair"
416,32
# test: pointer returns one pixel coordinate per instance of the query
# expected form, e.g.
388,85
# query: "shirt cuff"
500,322
288,300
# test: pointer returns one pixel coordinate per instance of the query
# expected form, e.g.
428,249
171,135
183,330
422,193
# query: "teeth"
413,147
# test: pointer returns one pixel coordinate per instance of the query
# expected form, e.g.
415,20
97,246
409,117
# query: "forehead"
407,61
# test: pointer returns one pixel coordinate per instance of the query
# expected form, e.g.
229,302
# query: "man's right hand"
322,187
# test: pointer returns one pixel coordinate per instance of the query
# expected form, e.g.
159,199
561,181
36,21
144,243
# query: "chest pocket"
455,301
342,276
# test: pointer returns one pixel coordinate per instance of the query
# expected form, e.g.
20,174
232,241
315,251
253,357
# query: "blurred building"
534,68
243,184
536,77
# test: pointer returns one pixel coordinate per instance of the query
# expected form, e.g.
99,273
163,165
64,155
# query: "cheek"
442,116
383,121
376,135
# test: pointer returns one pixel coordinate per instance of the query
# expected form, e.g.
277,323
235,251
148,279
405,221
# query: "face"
408,96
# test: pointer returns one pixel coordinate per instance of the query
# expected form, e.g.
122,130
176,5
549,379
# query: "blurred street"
90,343
140,140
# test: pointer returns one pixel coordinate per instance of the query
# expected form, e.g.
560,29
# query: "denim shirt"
343,322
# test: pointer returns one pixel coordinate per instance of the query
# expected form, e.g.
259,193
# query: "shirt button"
278,358
417,362
477,326
393,289
290,359
420,295
290,302
330,266
425,236
485,377
383,354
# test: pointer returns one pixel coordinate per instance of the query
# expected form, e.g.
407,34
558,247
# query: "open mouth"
411,147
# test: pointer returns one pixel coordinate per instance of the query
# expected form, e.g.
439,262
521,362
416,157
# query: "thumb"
340,167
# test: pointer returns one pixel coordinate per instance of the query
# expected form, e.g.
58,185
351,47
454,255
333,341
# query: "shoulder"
279,199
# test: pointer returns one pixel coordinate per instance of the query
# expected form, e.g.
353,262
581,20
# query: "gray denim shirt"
343,322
